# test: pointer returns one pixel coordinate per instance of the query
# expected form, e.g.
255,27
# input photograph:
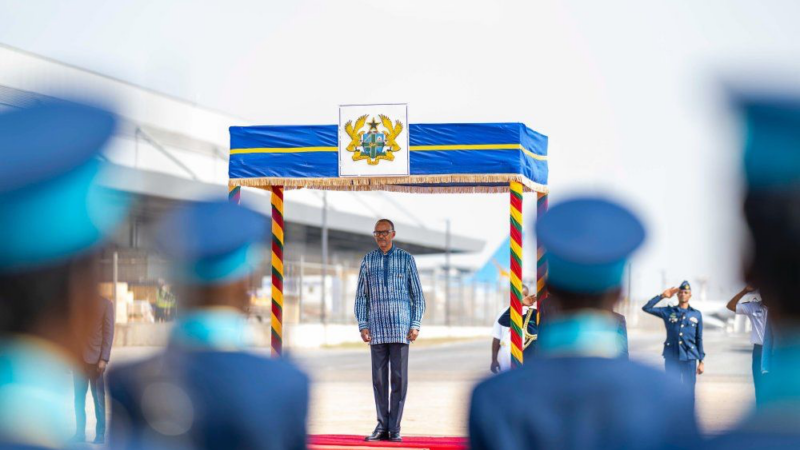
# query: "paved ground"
441,377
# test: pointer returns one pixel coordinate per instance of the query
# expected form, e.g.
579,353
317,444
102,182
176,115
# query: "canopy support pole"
541,262
515,241
234,194
277,270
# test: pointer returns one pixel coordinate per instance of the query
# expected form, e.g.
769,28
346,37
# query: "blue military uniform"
206,391
533,329
52,210
772,169
578,393
683,347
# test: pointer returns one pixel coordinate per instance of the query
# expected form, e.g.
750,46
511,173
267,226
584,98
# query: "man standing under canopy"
389,307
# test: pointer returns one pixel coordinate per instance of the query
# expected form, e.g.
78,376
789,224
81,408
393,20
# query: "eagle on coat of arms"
373,145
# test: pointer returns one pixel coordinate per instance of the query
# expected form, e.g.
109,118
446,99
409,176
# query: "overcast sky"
628,91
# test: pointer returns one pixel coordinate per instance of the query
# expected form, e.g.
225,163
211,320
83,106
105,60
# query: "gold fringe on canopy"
398,184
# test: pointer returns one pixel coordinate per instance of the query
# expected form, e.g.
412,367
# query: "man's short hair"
391,224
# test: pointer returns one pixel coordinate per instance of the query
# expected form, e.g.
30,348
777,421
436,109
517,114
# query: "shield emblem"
373,144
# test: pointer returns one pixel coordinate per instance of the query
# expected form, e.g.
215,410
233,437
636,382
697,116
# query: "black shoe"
394,436
377,435
100,439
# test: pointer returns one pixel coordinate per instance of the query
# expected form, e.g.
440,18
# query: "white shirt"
503,334
757,313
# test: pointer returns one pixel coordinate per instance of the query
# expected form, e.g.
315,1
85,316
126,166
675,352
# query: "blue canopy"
480,157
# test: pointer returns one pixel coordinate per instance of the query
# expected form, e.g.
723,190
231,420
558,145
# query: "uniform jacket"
586,403
102,334
684,330
389,300
233,400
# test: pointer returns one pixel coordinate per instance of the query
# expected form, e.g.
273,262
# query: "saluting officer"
683,349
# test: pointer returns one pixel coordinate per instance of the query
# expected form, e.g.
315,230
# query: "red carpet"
342,441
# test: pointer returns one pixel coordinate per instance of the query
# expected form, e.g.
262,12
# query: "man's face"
684,295
383,236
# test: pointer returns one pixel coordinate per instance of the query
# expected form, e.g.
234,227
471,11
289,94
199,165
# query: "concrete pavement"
442,376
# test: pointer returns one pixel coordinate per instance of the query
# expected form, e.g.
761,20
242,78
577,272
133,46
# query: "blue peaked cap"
212,242
51,207
587,243
772,141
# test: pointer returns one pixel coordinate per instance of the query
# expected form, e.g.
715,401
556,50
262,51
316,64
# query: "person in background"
54,221
95,360
501,334
579,394
683,350
206,390
757,313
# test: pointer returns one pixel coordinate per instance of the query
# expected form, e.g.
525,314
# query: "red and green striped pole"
277,270
541,263
516,273
234,194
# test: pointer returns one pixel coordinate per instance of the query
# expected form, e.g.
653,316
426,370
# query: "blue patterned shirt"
389,299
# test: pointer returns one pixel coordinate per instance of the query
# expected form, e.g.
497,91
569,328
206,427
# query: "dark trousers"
758,377
97,383
685,371
386,358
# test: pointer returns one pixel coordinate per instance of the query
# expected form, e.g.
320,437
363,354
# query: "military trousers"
389,359
758,377
89,379
685,371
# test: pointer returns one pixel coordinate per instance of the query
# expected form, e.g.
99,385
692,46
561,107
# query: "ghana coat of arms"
378,142
374,140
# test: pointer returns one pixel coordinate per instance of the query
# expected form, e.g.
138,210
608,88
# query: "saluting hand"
748,289
412,334
529,300
365,335
669,292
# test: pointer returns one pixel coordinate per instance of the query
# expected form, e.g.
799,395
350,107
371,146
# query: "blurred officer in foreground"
206,391
579,393
772,210
53,219
684,345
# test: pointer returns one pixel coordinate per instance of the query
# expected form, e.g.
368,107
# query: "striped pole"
516,273
541,263
277,270
234,194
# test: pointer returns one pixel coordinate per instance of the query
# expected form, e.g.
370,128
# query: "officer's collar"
215,328
585,333
34,410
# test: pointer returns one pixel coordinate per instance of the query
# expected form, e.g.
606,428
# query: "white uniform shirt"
503,334
757,313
